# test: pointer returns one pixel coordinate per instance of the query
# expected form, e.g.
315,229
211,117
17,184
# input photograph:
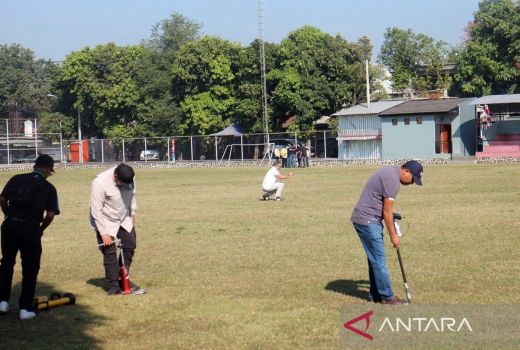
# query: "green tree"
416,61
490,61
203,81
24,81
170,34
249,110
53,123
158,112
315,74
101,83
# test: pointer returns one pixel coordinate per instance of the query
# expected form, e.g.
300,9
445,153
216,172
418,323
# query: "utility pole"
265,116
368,84
80,141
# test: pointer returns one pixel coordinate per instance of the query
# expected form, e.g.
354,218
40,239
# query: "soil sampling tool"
407,289
124,279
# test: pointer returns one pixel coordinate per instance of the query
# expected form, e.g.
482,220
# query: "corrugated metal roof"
497,99
362,109
425,106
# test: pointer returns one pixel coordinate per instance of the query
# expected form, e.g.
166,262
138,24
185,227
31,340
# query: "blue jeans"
371,237
292,160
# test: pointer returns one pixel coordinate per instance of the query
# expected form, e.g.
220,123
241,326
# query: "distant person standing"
112,215
299,149
276,153
291,151
29,203
306,156
374,206
271,185
283,155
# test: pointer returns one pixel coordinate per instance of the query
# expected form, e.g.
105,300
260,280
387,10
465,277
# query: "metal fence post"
168,147
216,149
61,146
145,150
123,150
7,139
191,147
325,143
102,151
80,139
35,140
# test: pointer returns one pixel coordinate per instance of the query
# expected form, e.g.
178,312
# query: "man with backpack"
29,203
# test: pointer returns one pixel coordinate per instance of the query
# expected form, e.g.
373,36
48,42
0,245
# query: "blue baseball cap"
416,169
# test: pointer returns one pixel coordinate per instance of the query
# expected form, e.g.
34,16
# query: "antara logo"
424,324
366,317
412,324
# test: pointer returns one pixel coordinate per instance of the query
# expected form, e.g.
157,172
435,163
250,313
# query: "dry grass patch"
227,271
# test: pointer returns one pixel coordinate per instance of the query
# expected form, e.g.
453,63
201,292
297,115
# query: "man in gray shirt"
374,206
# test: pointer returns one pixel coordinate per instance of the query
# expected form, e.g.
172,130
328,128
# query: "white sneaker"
136,289
4,306
26,315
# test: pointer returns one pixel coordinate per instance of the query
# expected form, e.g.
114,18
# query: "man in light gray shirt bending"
112,216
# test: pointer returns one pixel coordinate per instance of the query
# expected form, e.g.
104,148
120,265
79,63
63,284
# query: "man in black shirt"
29,203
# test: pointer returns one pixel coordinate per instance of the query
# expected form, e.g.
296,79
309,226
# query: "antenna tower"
265,116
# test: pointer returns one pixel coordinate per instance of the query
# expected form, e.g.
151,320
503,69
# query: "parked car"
149,154
29,159
283,142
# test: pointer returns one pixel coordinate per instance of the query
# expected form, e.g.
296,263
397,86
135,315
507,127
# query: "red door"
444,138
74,151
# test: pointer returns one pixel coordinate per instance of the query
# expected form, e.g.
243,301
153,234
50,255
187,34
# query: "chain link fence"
24,147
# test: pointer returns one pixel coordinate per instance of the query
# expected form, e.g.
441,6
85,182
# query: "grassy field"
227,271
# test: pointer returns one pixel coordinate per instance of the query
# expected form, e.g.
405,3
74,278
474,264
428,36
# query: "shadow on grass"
62,327
357,289
100,282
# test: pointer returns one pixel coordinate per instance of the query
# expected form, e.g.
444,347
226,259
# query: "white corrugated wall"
359,125
367,125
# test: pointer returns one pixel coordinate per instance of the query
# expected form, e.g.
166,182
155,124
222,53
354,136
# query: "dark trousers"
110,259
23,236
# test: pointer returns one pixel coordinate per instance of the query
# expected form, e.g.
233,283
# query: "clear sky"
54,28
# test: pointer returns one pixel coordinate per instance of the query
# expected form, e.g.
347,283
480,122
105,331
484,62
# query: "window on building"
394,121
406,121
418,120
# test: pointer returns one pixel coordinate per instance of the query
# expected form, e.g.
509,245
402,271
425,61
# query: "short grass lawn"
225,270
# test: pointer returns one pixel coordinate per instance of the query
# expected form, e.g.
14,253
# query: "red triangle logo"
366,317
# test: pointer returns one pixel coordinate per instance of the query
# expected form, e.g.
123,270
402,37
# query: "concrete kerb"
322,163
217,164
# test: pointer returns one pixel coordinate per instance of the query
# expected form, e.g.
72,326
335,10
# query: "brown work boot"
395,301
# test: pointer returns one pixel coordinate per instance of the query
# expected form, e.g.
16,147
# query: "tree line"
181,82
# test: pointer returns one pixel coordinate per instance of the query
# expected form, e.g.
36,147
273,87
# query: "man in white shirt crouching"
271,185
